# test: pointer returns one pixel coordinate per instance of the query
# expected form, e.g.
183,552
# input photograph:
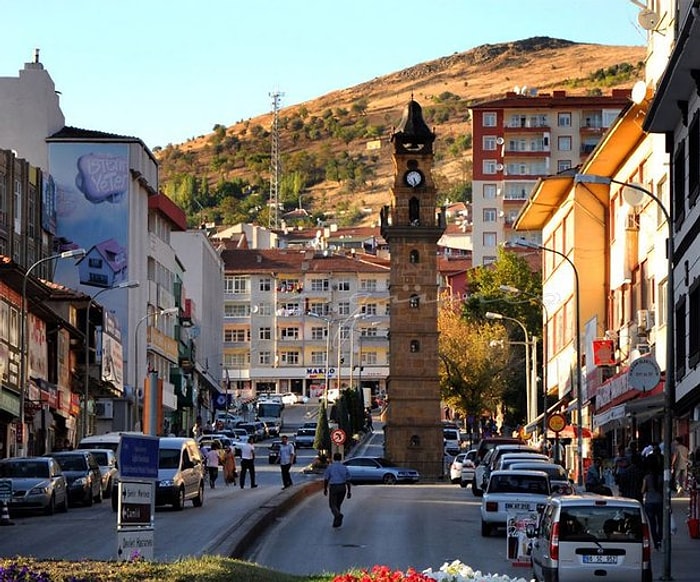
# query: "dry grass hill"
334,150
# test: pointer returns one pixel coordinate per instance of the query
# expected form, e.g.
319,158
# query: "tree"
472,372
322,438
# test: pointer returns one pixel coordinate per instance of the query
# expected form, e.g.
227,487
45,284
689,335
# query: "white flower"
456,571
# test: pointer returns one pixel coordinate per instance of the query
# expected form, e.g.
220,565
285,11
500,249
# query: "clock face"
414,178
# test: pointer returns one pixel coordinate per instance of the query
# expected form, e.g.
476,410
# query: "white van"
108,440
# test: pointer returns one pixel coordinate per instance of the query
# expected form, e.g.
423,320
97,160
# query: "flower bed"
454,571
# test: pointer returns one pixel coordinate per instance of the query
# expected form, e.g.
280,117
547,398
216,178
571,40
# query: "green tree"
322,438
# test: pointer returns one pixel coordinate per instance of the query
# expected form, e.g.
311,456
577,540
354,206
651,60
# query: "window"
679,184
318,333
289,310
289,358
490,215
490,239
236,284
344,332
264,358
343,285
3,201
265,333
289,333
564,119
238,360
489,143
343,308
319,284
265,284
694,323
413,257
318,358
369,358
369,309
490,191
236,335
368,285
290,286
489,119
319,308
414,302
4,320
264,309
236,310
489,166
415,346
694,160
563,165
564,143
369,332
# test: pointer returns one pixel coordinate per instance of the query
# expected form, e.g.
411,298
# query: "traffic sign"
136,503
556,422
138,456
5,490
644,374
135,544
338,436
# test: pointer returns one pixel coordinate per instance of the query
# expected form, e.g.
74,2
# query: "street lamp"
24,363
168,311
354,318
516,291
328,349
123,285
579,374
633,195
528,379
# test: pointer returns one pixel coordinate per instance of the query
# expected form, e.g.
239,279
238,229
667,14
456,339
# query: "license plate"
595,559
525,506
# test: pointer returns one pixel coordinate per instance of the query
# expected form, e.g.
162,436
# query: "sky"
169,70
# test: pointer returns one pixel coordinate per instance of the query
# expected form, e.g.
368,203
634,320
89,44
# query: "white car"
466,471
456,467
289,398
514,491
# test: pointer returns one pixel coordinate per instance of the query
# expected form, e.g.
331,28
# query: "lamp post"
577,343
354,318
168,311
86,395
516,291
24,347
528,378
328,349
633,195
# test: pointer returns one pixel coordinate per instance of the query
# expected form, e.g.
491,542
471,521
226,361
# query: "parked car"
591,537
468,468
486,444
488,463
456,467
289,398
509,459
508,490
37,483
451,441
305,438
379,470
107,461
82,475
559,481
273,452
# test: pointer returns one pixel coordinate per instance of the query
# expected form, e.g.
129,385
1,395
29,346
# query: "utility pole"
273,220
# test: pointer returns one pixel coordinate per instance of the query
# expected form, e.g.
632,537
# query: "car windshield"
24,470
169,458
72,463
597,523
518,484
306,432
101,458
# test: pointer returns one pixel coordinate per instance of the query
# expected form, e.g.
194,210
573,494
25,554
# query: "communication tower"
273,221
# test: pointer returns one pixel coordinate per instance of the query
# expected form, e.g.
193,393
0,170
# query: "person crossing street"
336,483
287,456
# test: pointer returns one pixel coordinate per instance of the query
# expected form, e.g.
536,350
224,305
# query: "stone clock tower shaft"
412,226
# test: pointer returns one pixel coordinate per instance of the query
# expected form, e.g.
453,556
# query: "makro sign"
319,373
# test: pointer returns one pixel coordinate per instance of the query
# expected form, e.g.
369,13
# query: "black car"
82,474
273,452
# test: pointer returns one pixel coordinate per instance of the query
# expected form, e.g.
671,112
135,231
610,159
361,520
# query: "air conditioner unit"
645,320
104,409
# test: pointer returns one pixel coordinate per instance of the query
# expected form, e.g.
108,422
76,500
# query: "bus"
271,413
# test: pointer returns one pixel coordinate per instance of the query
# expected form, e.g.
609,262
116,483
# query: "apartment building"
520,138
298,320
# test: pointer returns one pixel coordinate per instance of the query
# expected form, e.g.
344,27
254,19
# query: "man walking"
287,455
247,463
336,483
213,464
679,462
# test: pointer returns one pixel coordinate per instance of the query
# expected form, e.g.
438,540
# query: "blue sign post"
138,457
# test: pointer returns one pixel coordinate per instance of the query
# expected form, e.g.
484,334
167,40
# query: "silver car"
107,461
37,483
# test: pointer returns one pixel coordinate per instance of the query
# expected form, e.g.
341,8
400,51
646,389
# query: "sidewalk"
685,551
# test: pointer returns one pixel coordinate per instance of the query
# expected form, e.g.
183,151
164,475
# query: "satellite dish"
632,196
648,19
500,141
639,92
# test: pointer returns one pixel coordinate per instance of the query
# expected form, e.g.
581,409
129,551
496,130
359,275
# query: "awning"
615,416
571,432
644,409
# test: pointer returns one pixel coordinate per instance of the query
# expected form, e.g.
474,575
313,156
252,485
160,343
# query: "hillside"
333,149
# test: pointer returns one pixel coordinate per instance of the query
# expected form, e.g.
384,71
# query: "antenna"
273,208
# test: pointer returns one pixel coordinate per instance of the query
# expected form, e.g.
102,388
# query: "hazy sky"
165,71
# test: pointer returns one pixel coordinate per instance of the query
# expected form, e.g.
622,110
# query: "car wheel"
179,502
64,506
199,500
50,509
389,479
485,529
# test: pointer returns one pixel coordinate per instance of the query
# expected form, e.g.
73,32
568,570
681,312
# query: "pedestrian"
213,464
368,419
287,456
595,480
336,484
247,464
679,462
229,467
652,491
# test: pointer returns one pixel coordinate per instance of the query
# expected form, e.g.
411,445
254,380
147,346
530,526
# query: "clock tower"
412,226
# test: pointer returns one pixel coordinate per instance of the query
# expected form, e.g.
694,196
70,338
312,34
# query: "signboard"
604,352
5,490
556,422
136,503
644,374
338,436
135,544
138,457
516,534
